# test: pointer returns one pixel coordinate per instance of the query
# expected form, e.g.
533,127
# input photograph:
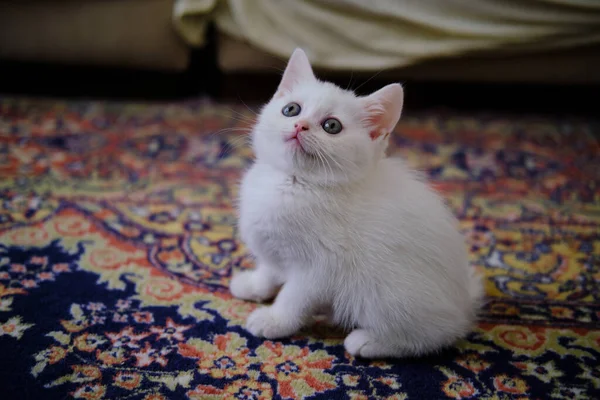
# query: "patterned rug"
118,238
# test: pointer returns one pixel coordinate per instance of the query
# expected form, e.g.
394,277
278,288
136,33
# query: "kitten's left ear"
383,109
298,70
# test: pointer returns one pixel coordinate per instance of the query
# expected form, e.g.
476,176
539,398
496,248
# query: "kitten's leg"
258,285
364,343
292,309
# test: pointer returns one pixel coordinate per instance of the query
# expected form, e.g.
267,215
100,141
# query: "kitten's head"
321,133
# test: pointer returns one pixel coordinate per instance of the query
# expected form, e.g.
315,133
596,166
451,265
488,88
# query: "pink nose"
301,126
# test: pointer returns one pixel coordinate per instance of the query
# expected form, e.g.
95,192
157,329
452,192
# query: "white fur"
341,227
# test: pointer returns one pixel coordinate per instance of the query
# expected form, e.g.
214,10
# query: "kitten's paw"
241,286
356,340
362,343
247,285
263,322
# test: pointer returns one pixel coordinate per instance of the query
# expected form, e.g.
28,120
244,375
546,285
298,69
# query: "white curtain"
377,34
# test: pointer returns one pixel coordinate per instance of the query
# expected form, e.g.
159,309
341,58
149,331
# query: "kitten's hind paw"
363,343
356,340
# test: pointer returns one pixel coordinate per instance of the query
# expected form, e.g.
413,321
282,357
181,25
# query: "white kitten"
338,226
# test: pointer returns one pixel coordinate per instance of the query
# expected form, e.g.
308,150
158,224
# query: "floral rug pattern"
118,239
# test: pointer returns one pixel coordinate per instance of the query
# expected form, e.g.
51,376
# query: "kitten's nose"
301,126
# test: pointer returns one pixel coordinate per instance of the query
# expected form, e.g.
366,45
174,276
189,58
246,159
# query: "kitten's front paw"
263,322
247,285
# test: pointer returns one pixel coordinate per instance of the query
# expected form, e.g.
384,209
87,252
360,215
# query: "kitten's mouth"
296,142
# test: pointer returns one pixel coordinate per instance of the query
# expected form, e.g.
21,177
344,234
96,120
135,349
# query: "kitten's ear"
383,109
298,70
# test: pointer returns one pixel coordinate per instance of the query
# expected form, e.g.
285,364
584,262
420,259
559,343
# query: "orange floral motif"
90,392
390,381
30,236
19,268
170,331
504,309
162,289
37,260
398,396
155,396
62,267
299,371
85,372
561,312
523,339
513,385
205,392
350,380
357,396
128,380
143,317
239,389
458,388
235,310
75,326
107,258
14,327
476,238
72,226
225,357
28,283
4,291
172,256
149,355
114,356
244,389
56,354
473,362
88,342
126,338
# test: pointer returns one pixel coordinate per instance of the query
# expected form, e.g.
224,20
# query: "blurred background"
509,54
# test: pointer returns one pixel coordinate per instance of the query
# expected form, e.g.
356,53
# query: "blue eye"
332,126
291,110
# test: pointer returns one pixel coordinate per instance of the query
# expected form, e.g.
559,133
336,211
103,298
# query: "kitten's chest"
277,210
281,220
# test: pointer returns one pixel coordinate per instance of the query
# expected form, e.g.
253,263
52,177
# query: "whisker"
246,105
329,166
320,156
323,161
226,131
277,69
368,80
238,142
234,144
348,163
240,113
238,116
242,120
350,81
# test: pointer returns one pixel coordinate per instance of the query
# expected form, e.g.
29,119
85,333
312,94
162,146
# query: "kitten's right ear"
298,69
383,109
